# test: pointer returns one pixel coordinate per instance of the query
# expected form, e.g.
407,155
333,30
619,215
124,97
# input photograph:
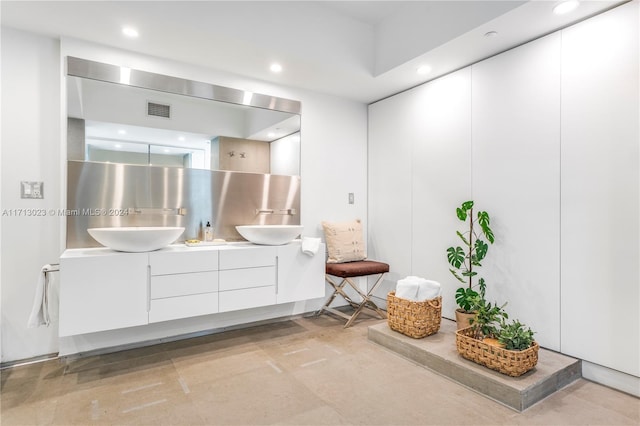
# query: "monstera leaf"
455,256
483,220
461,211
463,238
458,277
481,250
467,299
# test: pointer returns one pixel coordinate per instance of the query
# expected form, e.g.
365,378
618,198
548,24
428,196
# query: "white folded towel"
417,289
428,289
407,288
310,245
40,311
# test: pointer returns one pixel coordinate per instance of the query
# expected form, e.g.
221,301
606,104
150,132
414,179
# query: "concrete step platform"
438,353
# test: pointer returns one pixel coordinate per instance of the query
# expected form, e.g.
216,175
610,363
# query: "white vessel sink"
136,239
270,235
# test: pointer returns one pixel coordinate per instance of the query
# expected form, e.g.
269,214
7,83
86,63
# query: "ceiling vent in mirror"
158,110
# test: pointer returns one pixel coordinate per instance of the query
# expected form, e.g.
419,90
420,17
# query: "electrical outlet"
351,198
36,190
31,190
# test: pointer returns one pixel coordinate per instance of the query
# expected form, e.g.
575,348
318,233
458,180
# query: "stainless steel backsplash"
105,195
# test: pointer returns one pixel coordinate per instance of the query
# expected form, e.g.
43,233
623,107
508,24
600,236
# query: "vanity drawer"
247,298
169,262
183,284
252,257
235,279
183,307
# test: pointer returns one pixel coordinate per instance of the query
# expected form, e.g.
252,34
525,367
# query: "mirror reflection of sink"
270,235
136,239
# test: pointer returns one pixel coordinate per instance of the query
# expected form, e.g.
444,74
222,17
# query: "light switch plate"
33,190
351,198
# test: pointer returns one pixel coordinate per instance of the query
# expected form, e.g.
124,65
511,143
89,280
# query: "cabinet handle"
277,260
148,288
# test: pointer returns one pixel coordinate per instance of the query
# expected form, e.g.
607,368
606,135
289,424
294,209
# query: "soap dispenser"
208,232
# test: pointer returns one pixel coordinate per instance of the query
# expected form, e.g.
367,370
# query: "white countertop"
181,247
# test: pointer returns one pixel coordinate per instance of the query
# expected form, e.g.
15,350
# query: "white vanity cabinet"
102,290
182,284
248,277
300,276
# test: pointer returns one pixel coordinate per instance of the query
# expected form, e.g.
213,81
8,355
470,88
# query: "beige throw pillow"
344,241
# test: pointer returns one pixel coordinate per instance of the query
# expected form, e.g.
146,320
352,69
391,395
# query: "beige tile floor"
308,371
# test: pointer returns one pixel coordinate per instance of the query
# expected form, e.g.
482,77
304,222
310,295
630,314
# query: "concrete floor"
308,371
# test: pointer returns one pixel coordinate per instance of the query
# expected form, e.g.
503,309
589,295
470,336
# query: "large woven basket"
511,363
414,319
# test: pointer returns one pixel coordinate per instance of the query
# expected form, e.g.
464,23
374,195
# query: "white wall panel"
441,176
30,152
392,133
600,190
516,175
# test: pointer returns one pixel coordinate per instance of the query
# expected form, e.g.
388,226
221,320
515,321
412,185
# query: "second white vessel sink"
270,235
136,239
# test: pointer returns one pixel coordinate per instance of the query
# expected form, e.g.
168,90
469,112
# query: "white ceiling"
360,50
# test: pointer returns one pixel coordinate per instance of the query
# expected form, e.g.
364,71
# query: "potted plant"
488,320
487,339
515,336
492,342
464,261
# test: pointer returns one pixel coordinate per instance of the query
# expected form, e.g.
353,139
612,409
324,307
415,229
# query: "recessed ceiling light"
275,67
246,99
271,135
130,32
167,150
122,132
118,145
491,34
181,138
125,75
565,7
423,69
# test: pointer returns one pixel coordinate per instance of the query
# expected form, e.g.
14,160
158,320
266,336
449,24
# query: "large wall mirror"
121,115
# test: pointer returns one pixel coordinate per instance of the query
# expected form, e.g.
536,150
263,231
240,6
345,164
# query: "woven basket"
511,363
414,319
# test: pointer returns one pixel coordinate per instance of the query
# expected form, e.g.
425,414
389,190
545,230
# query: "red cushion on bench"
356,269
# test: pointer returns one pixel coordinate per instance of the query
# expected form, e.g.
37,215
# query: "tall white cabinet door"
516,175
300,276
441,174
103,292
394,127
600,190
